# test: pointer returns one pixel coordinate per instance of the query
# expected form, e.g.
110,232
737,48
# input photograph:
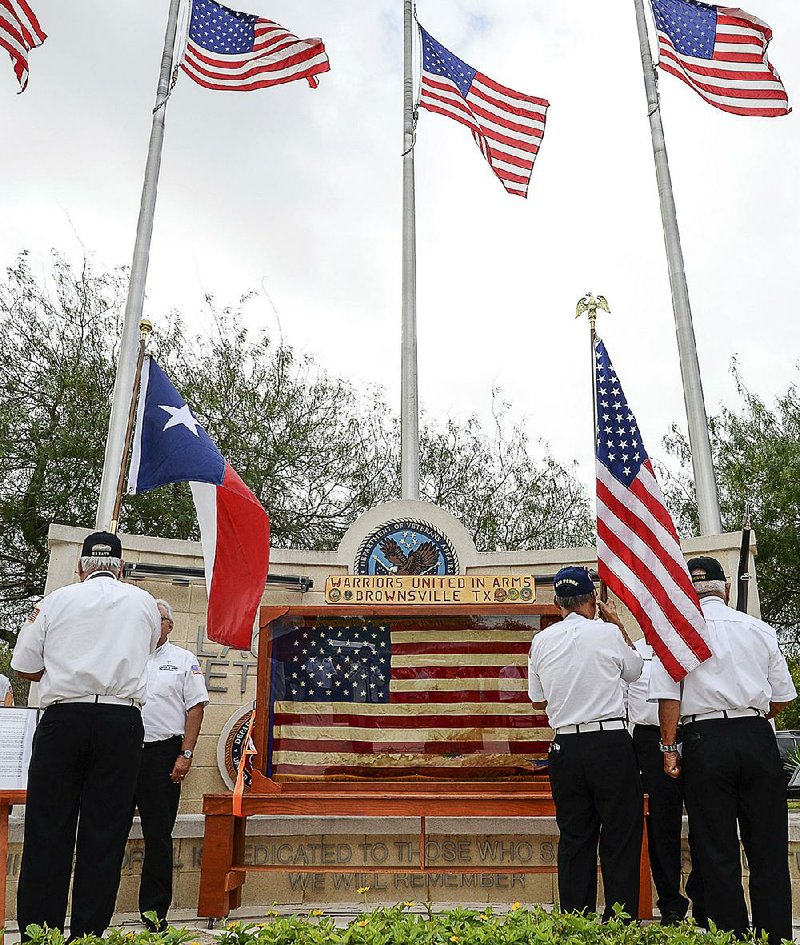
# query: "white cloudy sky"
299,191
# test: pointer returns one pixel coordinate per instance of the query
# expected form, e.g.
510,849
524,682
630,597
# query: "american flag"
406,697
507,126
638,554
721,52
19,33
239,52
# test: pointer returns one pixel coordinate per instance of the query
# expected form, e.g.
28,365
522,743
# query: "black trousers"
81,781
598,797
732,774
157,799
664,821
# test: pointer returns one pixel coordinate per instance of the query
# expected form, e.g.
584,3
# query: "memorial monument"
385,541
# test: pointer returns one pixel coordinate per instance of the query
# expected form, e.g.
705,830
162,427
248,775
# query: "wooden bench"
277,794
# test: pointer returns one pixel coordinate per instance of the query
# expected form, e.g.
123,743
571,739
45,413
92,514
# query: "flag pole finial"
145,329
590,304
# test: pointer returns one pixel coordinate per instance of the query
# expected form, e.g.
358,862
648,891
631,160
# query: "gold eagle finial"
591,303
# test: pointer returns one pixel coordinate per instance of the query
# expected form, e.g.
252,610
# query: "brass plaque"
422,590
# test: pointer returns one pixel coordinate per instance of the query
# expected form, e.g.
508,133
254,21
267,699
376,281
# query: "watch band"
667,749
187,753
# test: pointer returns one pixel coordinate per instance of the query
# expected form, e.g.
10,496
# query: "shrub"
398,925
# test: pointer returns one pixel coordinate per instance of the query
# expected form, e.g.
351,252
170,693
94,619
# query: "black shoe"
672,918
160,925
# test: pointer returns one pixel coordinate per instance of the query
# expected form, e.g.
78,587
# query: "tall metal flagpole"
128,349
590,304
702,463
409,394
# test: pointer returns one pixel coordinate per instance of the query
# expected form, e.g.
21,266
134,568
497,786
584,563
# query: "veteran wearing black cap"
576,671
731,767
87,646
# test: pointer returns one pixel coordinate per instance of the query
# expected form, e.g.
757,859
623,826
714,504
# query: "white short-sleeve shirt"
91,639
747,669
640,711
5,687
175,684
577,667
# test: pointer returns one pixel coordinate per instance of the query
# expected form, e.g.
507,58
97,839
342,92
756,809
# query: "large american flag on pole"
507,126
721,52
404,697
234,51
19,33
638,554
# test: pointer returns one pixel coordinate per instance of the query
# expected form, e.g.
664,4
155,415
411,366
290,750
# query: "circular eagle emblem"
404,547
231,744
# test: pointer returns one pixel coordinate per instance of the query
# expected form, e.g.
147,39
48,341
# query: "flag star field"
619,443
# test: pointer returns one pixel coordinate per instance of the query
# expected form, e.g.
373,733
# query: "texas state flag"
169,445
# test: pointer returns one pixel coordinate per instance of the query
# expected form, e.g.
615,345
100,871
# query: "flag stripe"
624,547
19,33
438,648
407,772
661,554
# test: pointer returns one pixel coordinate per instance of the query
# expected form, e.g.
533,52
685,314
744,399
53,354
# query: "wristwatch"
667,749
187,753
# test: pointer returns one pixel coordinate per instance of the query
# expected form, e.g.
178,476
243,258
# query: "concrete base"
363,844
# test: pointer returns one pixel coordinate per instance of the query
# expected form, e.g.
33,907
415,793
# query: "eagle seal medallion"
405,547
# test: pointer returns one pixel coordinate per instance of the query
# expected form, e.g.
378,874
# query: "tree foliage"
756,450
317,450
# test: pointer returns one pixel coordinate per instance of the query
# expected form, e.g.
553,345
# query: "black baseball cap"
573,582
101,545
710,566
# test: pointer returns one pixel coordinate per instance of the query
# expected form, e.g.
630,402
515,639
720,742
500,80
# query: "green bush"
400,926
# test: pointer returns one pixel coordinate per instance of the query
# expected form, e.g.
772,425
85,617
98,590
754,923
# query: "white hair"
706,588
101,563
167,606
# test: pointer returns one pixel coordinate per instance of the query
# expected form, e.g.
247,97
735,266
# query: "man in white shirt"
6,692
87,646
576,671
665,803
172,717
731,767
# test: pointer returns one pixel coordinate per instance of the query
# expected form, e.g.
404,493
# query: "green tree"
756,451
317,450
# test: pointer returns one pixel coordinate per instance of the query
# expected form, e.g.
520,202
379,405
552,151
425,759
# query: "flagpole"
590,304
409,394
126,362
702,462
145,327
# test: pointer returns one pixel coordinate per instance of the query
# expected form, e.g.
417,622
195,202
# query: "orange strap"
248,750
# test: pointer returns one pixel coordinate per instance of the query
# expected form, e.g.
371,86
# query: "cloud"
301,190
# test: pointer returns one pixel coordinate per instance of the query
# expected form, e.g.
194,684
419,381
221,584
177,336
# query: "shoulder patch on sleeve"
196,670
34,614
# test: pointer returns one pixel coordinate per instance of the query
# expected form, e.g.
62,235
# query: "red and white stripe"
234,533
739,77
640,560
507,126
19,33
458,708
278,56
